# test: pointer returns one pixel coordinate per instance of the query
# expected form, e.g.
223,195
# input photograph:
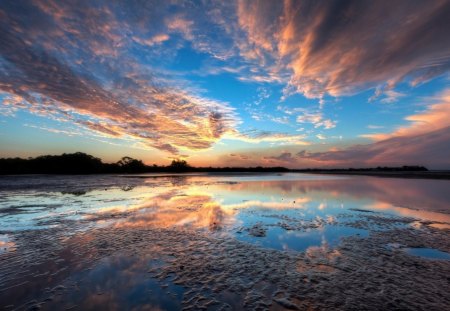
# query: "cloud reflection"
192,205
194,211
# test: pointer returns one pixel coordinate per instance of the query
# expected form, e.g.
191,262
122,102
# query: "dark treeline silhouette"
406,171
82,163
405,168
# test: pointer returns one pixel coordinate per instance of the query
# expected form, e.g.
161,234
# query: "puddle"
6,244
294,240
442,226
428,253
120,283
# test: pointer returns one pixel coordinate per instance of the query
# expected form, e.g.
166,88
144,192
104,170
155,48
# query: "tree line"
82,163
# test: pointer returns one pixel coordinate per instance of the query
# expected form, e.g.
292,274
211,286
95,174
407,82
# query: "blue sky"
293,83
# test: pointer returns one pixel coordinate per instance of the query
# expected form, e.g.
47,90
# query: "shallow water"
100,236
428,253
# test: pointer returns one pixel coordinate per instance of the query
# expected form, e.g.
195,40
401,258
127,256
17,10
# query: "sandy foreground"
205,255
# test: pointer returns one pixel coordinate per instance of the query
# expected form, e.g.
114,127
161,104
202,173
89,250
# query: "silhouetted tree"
179,166
130,165
72,163
82,163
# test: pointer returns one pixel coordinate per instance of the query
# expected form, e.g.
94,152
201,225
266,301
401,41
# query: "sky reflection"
292,211
118,283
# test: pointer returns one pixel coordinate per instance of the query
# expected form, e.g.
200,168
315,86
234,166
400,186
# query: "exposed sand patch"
359,273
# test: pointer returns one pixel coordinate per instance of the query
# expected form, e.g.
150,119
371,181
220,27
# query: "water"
296,211
428,253
165,241
5,243
118,283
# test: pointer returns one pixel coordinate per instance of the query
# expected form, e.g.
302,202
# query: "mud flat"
200,271
179,249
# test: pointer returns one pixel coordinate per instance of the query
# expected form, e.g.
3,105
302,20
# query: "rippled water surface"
114,242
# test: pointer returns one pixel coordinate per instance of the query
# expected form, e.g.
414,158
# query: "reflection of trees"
127,188
178,181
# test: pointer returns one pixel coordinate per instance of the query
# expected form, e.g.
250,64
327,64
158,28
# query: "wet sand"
275,243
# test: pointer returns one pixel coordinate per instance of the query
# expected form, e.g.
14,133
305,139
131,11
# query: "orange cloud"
79,70
435,117
424,141
340,48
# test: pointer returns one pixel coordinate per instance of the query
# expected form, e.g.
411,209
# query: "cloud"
424,141
157,39
434,117
387,94
283,157
430,149
98,65
239,156
74,63
308,116
341,47
317,119
53,130
374,127
321,137
181,25
267,137
391,96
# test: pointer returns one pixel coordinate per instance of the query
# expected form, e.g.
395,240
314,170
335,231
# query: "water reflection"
294,211
428,253
5,243
117,283
192,210
106,233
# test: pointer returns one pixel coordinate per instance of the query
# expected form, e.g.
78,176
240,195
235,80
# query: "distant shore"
388,174
444,175
84,164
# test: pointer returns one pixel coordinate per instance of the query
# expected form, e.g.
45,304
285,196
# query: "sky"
228,83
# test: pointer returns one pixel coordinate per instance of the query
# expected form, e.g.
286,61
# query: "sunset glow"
244,83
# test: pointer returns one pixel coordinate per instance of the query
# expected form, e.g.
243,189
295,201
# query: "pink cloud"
72,64
429,149
340,48
424,141
435,117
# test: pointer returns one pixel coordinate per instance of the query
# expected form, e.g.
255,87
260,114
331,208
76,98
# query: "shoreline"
442,175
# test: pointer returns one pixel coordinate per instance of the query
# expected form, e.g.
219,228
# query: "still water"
275,214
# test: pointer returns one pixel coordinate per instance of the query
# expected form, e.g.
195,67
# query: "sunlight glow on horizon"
235,83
